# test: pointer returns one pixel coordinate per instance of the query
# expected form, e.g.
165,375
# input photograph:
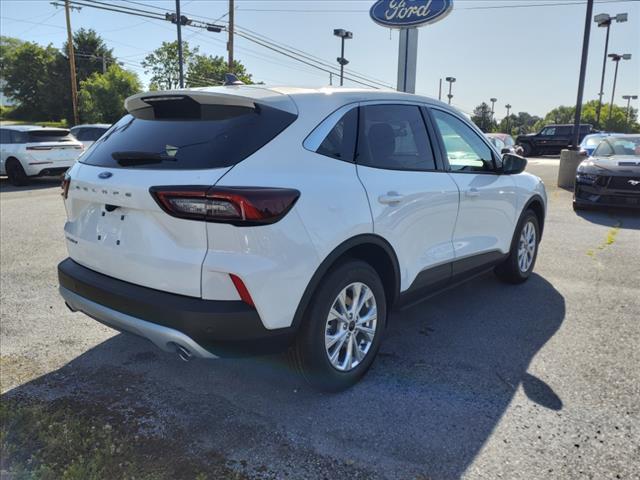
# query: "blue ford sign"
409,13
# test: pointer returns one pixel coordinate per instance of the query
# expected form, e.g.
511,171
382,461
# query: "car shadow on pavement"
611,217
447,371
34,184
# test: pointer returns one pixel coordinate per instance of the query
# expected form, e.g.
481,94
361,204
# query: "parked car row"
28,151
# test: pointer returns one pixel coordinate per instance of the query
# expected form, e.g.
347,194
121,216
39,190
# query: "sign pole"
407,60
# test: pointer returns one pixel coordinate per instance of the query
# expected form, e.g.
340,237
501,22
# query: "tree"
163,66
519,124
206,70
90,50
617,122
32,77
101,97
199,70
483,118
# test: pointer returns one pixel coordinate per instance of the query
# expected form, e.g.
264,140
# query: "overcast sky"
524,52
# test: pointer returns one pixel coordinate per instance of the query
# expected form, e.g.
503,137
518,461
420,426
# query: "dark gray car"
611,177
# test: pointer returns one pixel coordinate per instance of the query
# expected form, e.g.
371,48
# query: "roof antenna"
231,79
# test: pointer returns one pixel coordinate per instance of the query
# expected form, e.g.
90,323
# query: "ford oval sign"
105,175
409,13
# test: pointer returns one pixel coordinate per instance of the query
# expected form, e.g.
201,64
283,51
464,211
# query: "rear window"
227,135
41,136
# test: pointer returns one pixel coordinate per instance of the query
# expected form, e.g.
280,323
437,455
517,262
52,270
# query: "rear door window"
394,137
227,135
340,142
5,136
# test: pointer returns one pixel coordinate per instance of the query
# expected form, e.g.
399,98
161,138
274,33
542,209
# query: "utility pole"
230,29
493,102
72,64
440,90
583,70
330,79
179,26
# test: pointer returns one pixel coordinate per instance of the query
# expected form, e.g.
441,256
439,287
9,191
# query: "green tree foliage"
519,124
34,79
483,118
207,70
89,49
101,96
617,122
199,70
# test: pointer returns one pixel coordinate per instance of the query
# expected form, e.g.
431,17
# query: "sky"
522,52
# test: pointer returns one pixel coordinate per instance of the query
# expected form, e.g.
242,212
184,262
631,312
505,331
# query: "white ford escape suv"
245,219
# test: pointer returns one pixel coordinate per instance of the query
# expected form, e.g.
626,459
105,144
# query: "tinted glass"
619,146
340,143
564,131
95,133
394,137
508,141
226,137
465,149
549,131
5,136
41,136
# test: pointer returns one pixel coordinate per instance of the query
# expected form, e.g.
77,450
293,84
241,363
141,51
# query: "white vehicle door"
413,202
6,147
488,204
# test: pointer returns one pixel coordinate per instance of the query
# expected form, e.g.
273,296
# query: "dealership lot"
540,380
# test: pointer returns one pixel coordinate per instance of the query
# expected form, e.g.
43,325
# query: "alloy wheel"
527,246
351,326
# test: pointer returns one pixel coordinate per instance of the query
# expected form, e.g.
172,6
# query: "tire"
513,270
16,173
309,354
527,150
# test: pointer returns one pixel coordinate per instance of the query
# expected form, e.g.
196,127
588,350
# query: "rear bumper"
206,328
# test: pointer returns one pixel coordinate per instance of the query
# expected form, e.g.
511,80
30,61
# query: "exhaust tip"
183,353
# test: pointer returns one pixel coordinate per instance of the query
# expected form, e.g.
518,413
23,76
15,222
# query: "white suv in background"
89,133
246,219
32,151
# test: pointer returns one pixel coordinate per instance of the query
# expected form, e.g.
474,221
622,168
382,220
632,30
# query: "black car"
611,177
551,139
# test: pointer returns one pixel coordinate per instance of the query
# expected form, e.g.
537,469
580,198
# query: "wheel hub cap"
526,246
351,326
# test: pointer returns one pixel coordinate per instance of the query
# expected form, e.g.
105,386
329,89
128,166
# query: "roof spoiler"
142,101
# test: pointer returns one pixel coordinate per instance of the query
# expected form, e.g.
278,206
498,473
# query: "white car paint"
15,144
436,221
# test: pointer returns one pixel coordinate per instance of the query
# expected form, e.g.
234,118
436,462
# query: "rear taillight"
66,181
39,148
241,206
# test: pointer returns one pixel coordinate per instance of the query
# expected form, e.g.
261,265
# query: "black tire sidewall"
16,173
527,149
317,367
527,217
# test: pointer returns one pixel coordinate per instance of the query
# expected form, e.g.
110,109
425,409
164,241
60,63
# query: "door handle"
472,192
391,198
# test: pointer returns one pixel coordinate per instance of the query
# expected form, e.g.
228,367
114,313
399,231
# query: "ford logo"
409,13
105,175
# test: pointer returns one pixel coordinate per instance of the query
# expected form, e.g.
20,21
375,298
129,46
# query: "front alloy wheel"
527,246
351,326
518,266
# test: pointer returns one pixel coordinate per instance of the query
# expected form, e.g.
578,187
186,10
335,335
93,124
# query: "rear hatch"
116,227
50,146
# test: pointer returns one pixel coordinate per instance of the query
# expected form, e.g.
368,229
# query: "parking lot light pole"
344,35
493,102
451,81
628,98
508,107
616,58
605,20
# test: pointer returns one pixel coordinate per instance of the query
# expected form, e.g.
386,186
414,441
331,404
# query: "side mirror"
583,153
505,150
513,164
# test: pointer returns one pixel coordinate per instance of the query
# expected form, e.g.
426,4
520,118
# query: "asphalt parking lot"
486,381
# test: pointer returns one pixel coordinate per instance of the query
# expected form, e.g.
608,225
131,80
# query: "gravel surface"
485,381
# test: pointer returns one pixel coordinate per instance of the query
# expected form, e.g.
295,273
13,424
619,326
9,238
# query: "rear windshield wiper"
141,158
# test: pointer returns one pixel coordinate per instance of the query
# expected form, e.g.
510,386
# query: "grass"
70,441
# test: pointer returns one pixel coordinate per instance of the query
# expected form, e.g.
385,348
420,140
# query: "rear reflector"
66,181
241,206
242,290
